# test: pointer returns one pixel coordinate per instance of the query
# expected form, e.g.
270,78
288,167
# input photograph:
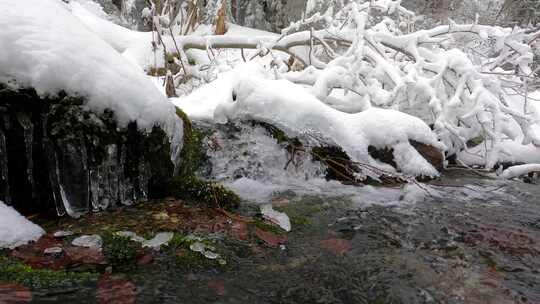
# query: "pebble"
89,241
53,250
62,233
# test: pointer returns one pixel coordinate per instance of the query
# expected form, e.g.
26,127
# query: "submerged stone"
89,241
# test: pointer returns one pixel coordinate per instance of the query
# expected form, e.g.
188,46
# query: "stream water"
473,240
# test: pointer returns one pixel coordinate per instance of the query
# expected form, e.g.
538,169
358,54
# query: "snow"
15,229
520,170
293,109
514,152
299,112
47,48
279,218
201,103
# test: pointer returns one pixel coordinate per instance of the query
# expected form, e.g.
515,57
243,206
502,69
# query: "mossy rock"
54,148
186,184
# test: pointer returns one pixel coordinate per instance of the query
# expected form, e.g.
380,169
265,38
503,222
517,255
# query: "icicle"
4,180
28,131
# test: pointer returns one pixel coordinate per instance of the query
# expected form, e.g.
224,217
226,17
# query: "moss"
300,221
185,258
121,252
192,151
186,185
213,194
19,273
268,227
176,242
279,135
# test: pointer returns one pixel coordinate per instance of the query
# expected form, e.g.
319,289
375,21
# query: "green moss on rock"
186,185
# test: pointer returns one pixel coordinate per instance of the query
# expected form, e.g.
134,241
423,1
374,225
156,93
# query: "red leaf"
14,294
337,246
271,239
116,290
218,286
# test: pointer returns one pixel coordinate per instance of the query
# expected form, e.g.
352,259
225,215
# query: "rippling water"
462,239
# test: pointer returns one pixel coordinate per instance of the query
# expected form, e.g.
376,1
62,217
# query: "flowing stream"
464,238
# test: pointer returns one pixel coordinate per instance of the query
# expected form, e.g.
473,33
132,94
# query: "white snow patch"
520,170
15,229
279,218
47,48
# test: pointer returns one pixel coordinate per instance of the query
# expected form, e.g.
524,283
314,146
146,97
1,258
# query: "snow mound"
516,171
293,109
44,46
15,229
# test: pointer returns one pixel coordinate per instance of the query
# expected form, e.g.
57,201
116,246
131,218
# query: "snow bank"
47,48
520,170
15,229
292,108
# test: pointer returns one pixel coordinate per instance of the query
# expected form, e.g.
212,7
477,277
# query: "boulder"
55,154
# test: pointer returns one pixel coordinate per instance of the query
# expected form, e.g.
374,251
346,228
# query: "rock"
55,154
85,256
155,243
88,241
62,234
131,235
206,250
160,239
433,155
197,247
53,251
